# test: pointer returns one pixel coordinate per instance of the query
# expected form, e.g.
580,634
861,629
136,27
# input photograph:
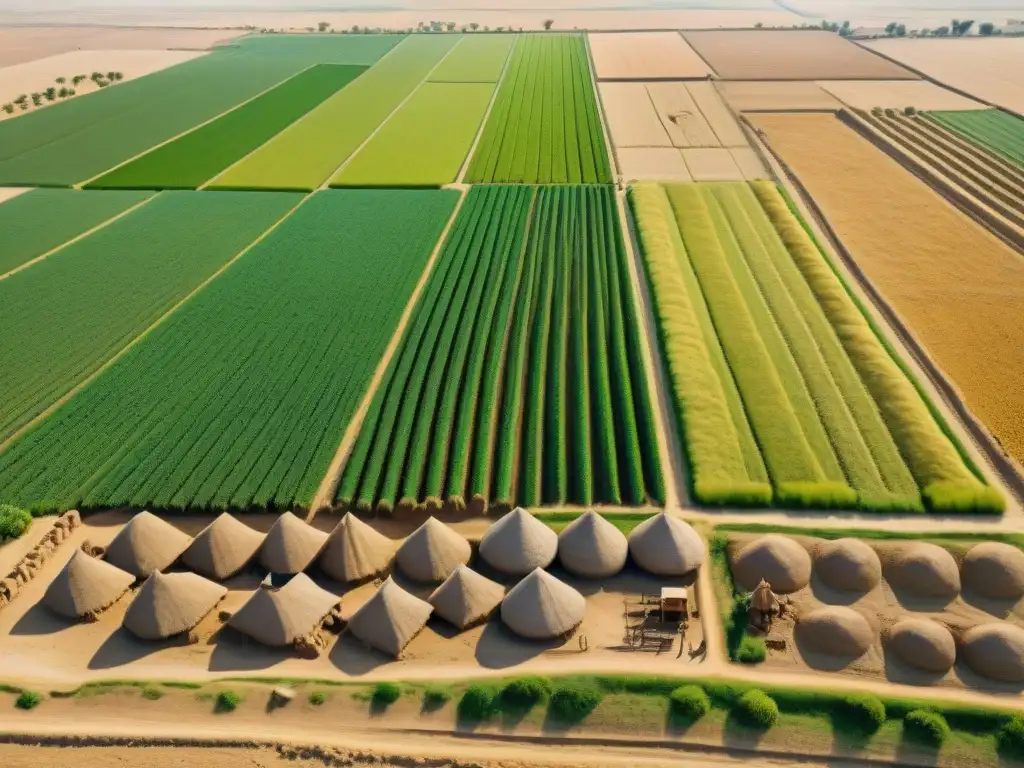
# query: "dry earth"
652,164
6,193
760,96
897,94
711,165
645,56
21,44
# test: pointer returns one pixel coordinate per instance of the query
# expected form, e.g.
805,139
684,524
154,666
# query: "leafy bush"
227,701
477,703
573,701
690,702
151,693
28,700
864,711
13,521
757,708
752,650
926,726
1011,736
385,694
525,692
436,697
316,698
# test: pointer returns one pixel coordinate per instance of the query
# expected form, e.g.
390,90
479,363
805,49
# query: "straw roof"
171,603
666,546
541,607
291,545
763,599
592,547
518,543
432,552
86,585
466,598
146,544
390,619
222,548
278,617
356,552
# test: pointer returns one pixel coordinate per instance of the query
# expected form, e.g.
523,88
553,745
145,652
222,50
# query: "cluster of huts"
290,609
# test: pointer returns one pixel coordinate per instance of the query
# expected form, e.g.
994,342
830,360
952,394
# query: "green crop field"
361,50
783,391
64,317
519,378
241,397
991,128
36,222
198,156
544,127
425,143
477,59
309,152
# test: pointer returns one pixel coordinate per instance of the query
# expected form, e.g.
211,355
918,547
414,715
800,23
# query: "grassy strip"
624,521
991,128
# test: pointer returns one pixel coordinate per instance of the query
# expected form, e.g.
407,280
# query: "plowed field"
644,56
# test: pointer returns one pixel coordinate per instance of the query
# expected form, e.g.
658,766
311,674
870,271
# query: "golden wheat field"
644,56
958,288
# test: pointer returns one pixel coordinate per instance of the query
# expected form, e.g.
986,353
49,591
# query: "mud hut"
779,560
923,644
86,586
432,552
836,630
466,598
666,546
519,543
355,552
223,548
994,570
280,616
592,548
170,604
764,605
996,651
390,619
540,607
146,544
923,570
849,565
291,545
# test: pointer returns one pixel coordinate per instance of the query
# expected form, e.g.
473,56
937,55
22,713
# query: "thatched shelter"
518,543
540,607
466,598
592,547
86,586
170,604
280,616
764,605
355,552
146,544
432,552
390,619
222,548
666,546
291,545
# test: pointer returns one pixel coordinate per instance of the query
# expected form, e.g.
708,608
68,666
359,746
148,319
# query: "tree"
890,28
63,92
451,26
23,99
37,99
901,30
986,28
845,31
548,23
941,32
77,79
474,26
758,25
50,93
9,108
61,80
323,26
961,28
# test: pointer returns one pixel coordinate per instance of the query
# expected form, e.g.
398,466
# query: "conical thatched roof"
291,545
171,603
278,617
518,543
592,547
86,585
541,607
222,548
356,552
432,552
763,599
666,546
466,598
146,544
390,619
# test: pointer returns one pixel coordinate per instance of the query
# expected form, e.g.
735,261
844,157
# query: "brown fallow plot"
760,96
897,94
645,56
958,288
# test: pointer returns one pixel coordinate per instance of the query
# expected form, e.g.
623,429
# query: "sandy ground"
631,116
760,96
40,74
790,55
652,164
645,56
897,94
6,193
711,165
987,68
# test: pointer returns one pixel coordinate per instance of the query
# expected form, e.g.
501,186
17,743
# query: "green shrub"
436,697
573,701
752,650
152,693
227,701
316,698
13,521
385,694
863,711
757,708
1011,737
690,702
28,700
477,703
926,726
524,693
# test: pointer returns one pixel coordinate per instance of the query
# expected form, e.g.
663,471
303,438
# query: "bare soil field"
717,114
790,55
760,96
957,288
711,165
652,164
897,94
645,56
6,193
749,163
21,44
989,68
631,116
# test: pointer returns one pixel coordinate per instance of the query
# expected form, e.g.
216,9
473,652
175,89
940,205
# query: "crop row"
241,396
784,392
544,127
477,59
991,128
519,378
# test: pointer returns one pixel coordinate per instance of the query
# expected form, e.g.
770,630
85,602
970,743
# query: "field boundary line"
194,128
610,148
82,236
146,331
461,178
327,182
324,498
